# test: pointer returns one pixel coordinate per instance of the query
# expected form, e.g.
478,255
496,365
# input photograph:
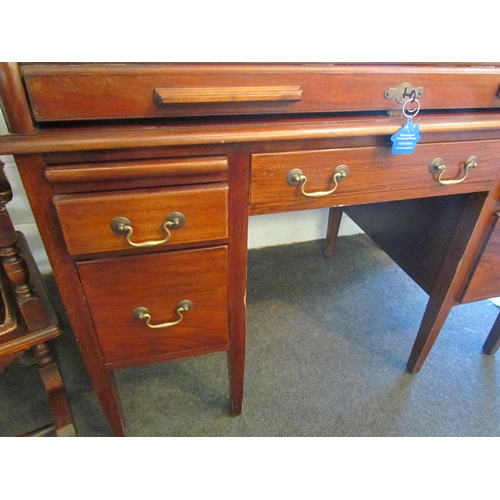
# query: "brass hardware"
177,219
296,176
403,92
122,225
437,167
142,313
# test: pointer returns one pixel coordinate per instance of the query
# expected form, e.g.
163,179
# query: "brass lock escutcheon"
403,92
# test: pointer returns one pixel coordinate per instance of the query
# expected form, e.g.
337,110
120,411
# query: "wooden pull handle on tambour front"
207,95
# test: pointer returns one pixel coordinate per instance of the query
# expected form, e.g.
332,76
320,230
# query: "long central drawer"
371,174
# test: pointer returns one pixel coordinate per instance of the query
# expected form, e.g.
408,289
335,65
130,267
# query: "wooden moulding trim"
190,95
46,142
136,169
16,342
216,68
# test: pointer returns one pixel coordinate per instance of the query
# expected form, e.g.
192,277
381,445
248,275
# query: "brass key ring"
411,113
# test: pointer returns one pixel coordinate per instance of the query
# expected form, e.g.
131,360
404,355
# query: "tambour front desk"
142,177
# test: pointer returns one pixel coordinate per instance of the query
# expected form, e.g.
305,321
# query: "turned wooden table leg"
54,385
334,219
32,308
492,342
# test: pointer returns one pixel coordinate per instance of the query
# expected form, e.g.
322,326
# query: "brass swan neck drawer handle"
142,313
296,177
122,225
437,167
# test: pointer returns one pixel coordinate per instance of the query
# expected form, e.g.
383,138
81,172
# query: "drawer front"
106,91
115,288
485,281
86,220
373,174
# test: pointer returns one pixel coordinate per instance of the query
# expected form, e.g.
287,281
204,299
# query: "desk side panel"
416,234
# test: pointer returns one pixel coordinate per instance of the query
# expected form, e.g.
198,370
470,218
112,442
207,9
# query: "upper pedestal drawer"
94,223
59,92
321,178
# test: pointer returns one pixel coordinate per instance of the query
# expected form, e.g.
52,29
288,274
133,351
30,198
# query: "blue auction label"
405,140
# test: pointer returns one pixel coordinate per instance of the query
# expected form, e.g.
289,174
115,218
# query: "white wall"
263,230
292,227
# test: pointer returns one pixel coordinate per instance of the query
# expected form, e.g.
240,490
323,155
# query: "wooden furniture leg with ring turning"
29,321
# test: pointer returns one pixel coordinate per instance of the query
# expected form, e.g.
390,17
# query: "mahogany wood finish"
86,218
31,168
83,92
449,280
485,280
371,170
481,126
415,233
428,239
174,168
215,141
158,282
226,94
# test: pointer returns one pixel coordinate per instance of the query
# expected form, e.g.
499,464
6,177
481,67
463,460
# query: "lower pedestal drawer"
163,284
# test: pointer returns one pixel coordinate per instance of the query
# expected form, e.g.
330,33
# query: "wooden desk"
142,178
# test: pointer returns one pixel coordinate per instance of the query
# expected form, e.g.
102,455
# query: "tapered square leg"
332,232
492,342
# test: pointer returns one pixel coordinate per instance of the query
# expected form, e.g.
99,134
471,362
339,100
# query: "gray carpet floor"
327,346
